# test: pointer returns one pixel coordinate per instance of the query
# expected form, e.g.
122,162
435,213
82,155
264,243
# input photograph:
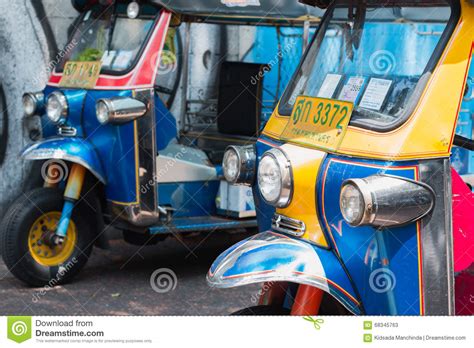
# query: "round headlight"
231,165
102,111
29,104
274,178
56,107
352,204
239,164
133,10
32,103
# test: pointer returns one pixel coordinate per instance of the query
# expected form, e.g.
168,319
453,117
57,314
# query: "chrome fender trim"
74,150
271,256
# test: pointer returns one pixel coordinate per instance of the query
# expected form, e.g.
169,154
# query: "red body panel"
463,223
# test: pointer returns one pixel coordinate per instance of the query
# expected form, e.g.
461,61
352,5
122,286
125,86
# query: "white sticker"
329,86
298,90
123,60
107,58
240,3
351,89
375,94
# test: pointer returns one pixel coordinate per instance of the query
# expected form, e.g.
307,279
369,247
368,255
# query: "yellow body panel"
430,129
305,164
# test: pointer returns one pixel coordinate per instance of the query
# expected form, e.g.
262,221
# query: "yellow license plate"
80,75
318,122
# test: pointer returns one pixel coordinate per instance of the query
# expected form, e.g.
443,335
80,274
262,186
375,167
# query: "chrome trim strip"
285,224
67,131
436,239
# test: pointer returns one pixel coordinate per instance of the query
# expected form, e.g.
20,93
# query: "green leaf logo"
19,329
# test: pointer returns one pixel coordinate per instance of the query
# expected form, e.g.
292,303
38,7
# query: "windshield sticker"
375,94
123,60
298,90
240,3
108,57
83,75
318,122
329,86
351,90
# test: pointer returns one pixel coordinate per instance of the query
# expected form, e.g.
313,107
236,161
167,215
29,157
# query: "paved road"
117,282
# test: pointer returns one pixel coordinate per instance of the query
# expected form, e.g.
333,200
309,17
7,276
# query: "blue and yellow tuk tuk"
359,208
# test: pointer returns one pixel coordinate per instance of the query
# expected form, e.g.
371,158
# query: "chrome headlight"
275,178
119,110
239,164
33,103
56,107
383,201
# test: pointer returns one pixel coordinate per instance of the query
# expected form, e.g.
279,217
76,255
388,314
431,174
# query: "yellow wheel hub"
40,231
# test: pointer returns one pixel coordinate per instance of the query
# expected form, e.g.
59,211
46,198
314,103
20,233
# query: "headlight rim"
38,100
108,106
369,205
246,159
285,196
64,107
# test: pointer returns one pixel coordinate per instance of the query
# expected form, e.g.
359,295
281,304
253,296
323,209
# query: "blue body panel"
377,261
72,149
115,146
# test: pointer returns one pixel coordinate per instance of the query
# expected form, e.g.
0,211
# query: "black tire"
263,311
14,234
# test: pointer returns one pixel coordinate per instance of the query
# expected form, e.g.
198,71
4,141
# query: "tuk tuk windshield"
112,38
376,56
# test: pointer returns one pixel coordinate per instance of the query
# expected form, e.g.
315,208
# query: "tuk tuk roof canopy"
246,11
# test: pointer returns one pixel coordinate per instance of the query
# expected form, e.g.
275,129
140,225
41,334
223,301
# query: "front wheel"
25,239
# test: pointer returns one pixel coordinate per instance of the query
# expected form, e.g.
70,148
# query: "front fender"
270,256
75,150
